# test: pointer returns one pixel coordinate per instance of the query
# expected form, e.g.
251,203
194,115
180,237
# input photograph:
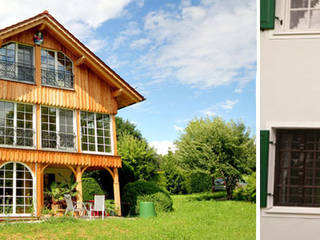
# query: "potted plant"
57,192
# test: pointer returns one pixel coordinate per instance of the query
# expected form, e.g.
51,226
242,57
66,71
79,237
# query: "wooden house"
58,103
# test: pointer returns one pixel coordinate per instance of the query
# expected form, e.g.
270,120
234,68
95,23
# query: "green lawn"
196,216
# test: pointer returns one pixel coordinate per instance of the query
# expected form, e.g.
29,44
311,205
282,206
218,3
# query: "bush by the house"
139,188
246,192
198,181
90,187
162,202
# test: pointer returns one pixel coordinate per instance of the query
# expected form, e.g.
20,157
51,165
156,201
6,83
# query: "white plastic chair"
99,205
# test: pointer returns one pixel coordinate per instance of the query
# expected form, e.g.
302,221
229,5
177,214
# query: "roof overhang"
123,92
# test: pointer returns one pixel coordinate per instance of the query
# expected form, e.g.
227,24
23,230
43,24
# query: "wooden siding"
90,92
50,157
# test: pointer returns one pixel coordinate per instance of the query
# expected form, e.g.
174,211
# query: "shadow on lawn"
217,196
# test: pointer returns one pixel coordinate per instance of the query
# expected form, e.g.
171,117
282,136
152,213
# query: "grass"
197,216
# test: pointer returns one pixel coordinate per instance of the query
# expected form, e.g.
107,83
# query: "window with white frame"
16,190
16,62
17,124
56,69
96,132
58,129
298,15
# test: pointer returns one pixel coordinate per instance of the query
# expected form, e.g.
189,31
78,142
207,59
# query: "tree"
137,157
175,175
219,148
126,127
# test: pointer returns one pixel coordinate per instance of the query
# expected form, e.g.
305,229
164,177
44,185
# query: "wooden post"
79,186
114,135
116,191
39,188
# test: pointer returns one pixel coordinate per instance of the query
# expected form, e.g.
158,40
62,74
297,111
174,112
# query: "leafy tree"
138,158
223,149
126,127
175,175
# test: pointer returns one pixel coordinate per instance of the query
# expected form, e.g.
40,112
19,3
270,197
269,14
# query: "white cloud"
140,43
208,45
177,128
162,147
96,44
228,104
220,107
78,16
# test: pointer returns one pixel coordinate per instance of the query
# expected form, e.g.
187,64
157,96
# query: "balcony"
17,71
54,78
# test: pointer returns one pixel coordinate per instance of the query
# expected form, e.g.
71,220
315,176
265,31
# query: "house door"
16,190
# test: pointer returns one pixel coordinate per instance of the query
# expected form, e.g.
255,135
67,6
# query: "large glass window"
297,179
16,189
16,124
96,132
57,128
16,62
56,69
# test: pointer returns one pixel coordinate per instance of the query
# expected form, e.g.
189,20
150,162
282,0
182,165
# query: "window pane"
315,18
299,3
299,19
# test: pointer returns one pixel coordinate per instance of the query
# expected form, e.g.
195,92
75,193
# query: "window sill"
17,81
17,147
98,153
57,87
279,34
311,212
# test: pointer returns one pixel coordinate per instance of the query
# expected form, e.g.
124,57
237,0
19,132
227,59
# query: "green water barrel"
147,210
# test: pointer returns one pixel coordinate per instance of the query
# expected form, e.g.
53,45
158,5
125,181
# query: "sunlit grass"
197,216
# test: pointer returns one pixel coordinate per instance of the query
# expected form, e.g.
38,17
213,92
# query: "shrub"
248,191
198,181
139,188
162,202
90,187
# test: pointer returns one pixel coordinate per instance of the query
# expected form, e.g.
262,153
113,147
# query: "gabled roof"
124,93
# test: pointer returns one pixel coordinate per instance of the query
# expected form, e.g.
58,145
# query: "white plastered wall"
289,95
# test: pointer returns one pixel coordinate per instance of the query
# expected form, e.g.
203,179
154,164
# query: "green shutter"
267,14
264,154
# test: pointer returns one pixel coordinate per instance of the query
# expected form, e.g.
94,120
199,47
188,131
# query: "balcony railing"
17,71
17,137
58,140
51,77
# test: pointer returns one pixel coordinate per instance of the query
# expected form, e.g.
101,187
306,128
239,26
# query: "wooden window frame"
14,145
57,131
96,135
15,188
56,69
16,63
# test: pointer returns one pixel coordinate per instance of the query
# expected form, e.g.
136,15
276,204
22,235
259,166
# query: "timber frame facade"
58,103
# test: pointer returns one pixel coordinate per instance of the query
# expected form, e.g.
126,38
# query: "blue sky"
188,58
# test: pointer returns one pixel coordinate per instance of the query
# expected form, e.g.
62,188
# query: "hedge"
132,191
90,187
198,181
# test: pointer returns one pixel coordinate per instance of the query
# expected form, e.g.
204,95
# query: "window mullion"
14,124
58,127
14,197
96,132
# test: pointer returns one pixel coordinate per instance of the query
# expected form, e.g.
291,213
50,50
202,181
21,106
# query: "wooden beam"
117,92
80,61
1,41
42,27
